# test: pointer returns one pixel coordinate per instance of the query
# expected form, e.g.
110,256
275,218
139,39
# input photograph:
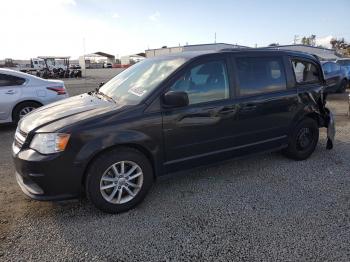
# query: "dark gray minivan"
169,114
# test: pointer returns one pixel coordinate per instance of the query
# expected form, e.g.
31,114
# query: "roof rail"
235,49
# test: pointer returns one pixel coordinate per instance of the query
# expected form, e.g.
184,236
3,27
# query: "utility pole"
296,39
84,49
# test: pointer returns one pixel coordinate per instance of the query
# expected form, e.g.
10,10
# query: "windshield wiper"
104,95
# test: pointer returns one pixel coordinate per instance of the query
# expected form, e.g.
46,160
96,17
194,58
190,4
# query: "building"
320,52
132,59
186,48
95,60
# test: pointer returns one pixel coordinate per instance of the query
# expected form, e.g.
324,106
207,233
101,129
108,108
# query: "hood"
70,110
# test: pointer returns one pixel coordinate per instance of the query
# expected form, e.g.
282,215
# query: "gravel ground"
262,208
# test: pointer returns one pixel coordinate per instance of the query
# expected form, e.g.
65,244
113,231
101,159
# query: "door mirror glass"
175,99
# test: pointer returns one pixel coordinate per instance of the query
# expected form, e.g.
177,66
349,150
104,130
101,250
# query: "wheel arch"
315,116
307,113
133,146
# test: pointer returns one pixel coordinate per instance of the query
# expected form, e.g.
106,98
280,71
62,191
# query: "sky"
120,27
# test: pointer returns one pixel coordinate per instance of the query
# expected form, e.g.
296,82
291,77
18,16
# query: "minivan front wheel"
118,180
303,140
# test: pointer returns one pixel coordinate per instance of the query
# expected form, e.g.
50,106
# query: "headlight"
49,143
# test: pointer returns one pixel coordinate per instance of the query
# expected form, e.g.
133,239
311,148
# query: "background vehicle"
336,77
20,93
52,67
74,66
345,63
107,65
169,114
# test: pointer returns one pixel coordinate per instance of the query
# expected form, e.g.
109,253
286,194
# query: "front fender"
133,138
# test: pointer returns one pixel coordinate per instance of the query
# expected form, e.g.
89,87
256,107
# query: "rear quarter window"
305,72
9,80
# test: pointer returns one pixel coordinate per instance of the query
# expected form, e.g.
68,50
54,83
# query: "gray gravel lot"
262,208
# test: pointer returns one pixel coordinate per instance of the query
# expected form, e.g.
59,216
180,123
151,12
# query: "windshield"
135,83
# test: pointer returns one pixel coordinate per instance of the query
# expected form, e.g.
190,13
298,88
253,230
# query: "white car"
107,65
20,93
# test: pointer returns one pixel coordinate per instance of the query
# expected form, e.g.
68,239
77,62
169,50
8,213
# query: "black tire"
16,113
342,86
101,164
303,140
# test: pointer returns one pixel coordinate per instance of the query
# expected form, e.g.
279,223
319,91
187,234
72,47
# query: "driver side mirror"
175,99
101,84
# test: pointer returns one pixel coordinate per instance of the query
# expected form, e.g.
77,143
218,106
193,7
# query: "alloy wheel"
121,182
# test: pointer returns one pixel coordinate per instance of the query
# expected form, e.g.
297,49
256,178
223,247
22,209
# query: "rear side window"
8,80
305,72
204,82
258,75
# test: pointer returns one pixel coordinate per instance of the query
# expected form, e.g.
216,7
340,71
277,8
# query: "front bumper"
47,177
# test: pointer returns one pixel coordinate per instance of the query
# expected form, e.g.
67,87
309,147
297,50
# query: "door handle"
227,110
248,108
10,92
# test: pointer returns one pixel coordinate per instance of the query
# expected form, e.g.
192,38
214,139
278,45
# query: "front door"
199,132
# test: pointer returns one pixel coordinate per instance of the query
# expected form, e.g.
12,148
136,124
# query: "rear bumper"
330,124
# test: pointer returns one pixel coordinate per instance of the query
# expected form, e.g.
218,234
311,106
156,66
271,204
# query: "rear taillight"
58,89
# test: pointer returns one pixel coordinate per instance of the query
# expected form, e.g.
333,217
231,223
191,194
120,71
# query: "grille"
20,138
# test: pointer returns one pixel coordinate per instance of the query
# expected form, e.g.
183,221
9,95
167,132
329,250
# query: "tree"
341,46
339,43
309,40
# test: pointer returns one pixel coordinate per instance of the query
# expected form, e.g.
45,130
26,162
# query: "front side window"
305,72
257,75
139,80
9,80
204,82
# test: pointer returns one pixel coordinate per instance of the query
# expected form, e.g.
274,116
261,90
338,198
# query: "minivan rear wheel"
118,180
303,140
